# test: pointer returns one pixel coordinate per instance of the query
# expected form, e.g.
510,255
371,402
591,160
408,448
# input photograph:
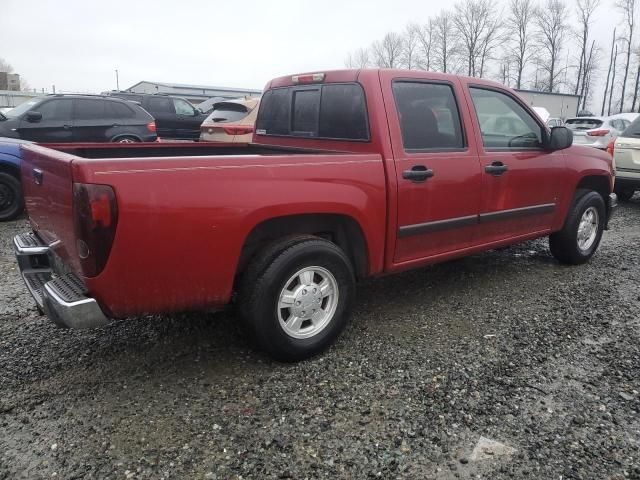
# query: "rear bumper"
61,295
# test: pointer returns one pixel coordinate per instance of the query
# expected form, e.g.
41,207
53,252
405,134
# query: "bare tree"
635,90
476,26
410,47
613,78
585,10
426,47
387,53
445,46
589,73
606,84
628,9
552,26
519,27
359,59
5,66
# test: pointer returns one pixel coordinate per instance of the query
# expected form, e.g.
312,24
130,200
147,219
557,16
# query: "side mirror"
33,117
560,138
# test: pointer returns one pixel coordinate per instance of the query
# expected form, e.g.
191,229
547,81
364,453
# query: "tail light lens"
238,130
95,219
611,147
151,126
598,133
309,78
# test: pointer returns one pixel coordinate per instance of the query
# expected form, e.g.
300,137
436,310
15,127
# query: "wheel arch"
10,168
341,229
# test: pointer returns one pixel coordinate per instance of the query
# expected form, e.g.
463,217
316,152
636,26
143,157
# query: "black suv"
78,118
175,117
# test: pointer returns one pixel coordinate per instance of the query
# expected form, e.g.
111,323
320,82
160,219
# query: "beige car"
626,156
230,121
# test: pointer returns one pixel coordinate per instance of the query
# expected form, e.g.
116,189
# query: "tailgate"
47,182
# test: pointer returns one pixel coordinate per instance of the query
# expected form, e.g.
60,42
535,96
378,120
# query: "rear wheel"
126,139
582,231
296,297
11,201
624,194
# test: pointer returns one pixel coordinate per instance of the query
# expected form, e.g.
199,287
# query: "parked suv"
175,117
626,154
596,131
78,118
231,121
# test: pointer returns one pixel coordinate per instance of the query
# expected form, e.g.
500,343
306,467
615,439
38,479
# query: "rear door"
520,179
437,169
89,120
55,125
162,109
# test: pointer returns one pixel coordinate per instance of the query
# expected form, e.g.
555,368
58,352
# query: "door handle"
496,168
417,174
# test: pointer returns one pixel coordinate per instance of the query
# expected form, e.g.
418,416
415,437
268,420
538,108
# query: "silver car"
596,132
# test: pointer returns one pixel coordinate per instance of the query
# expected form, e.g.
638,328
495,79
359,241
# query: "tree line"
527,44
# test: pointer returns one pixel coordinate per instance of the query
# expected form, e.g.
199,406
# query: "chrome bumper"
62,296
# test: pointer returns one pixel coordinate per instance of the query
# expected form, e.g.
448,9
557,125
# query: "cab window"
504,123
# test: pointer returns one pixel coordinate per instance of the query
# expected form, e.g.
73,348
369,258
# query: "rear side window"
118,110
89,109
59,109
332,111
429,117
228,112
160,105
633,130
583,123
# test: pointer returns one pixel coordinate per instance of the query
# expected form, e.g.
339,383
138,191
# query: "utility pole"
117,81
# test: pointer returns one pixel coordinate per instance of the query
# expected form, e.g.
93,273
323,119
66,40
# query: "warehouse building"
559,105
194,93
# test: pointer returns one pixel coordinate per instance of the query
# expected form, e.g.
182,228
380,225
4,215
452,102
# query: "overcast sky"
77,44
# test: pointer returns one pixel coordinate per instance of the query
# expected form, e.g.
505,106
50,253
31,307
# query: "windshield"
22,108
583,123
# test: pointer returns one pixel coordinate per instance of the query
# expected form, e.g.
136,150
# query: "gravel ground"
500,365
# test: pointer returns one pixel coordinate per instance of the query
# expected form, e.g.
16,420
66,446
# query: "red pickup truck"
351,173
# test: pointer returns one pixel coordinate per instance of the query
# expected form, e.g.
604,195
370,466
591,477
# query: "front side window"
59,109
89,109
331,111
429,117
504,123
183,107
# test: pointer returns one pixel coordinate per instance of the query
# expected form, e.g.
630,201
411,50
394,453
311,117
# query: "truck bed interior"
138,150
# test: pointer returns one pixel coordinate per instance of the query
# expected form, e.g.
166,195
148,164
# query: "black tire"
624,194
268,274
564,244
126,139
11,200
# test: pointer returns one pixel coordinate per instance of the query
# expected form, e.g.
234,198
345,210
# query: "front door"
520,179
54,126
437,169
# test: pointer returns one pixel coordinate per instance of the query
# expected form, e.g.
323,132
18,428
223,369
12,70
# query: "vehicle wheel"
126,139
11,200
624,194
579,238
296,297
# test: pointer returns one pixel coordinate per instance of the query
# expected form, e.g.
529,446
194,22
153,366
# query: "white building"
559,105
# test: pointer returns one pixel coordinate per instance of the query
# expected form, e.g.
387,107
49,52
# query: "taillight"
238,130
310,78
151,126
95,212
597,133
611,147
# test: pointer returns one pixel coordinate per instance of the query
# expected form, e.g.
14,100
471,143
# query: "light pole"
117,81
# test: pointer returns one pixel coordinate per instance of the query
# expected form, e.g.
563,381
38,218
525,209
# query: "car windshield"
583,123
228,112
632,130
22,108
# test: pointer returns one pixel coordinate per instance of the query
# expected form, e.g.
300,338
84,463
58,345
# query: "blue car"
11,200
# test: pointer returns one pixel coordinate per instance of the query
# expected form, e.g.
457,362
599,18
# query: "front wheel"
296,297
126,139
582,231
